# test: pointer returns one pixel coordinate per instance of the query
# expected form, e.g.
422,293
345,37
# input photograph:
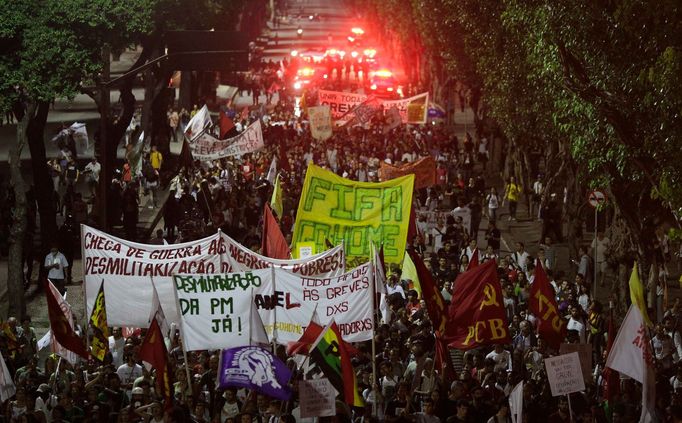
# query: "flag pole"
86,318
570,409
56,375
182,335
374,343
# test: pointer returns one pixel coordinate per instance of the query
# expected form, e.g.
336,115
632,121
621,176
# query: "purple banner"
254,368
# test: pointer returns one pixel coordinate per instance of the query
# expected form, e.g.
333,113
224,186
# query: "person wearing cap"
137,397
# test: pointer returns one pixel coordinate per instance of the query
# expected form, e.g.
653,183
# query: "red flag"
226,124
411,227
435,304
309,336
542,303
473,262
153,351
442,359
61,329
476,315
273,244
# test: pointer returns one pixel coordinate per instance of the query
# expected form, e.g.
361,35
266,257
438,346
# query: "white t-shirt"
521,259
128,374
502,360
56,273
393,289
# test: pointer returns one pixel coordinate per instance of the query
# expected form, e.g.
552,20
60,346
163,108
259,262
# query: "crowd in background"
230,193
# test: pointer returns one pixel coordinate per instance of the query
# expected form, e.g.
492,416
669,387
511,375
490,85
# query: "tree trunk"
42,181
13,302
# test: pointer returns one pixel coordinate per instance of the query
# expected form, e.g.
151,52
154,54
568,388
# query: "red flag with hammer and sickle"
476,314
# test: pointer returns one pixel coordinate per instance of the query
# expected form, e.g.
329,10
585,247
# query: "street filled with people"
462,222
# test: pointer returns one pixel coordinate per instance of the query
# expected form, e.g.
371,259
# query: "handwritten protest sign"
355,213
215,309
584,352
286,306
127,269
318,398
206,147
237,258
564,374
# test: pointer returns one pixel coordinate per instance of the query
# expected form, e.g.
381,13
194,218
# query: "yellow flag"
98,319
276,199
410,272
637,294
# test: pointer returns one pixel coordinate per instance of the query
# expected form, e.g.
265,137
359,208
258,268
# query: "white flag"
157,312
198,123
7,388
272,172
258,334
631,355
516,403
380,285
65,307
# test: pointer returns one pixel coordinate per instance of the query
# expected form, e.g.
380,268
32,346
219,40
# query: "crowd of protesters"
230,194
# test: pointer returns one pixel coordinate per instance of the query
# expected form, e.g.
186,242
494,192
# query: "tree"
52,49
595,87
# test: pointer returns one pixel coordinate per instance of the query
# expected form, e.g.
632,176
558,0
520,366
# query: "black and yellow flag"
98,321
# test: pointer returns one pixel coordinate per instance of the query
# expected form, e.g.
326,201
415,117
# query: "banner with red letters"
127,269
288,302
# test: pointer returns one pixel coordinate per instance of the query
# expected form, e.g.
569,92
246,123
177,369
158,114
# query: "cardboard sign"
564,374
317,398
584,352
